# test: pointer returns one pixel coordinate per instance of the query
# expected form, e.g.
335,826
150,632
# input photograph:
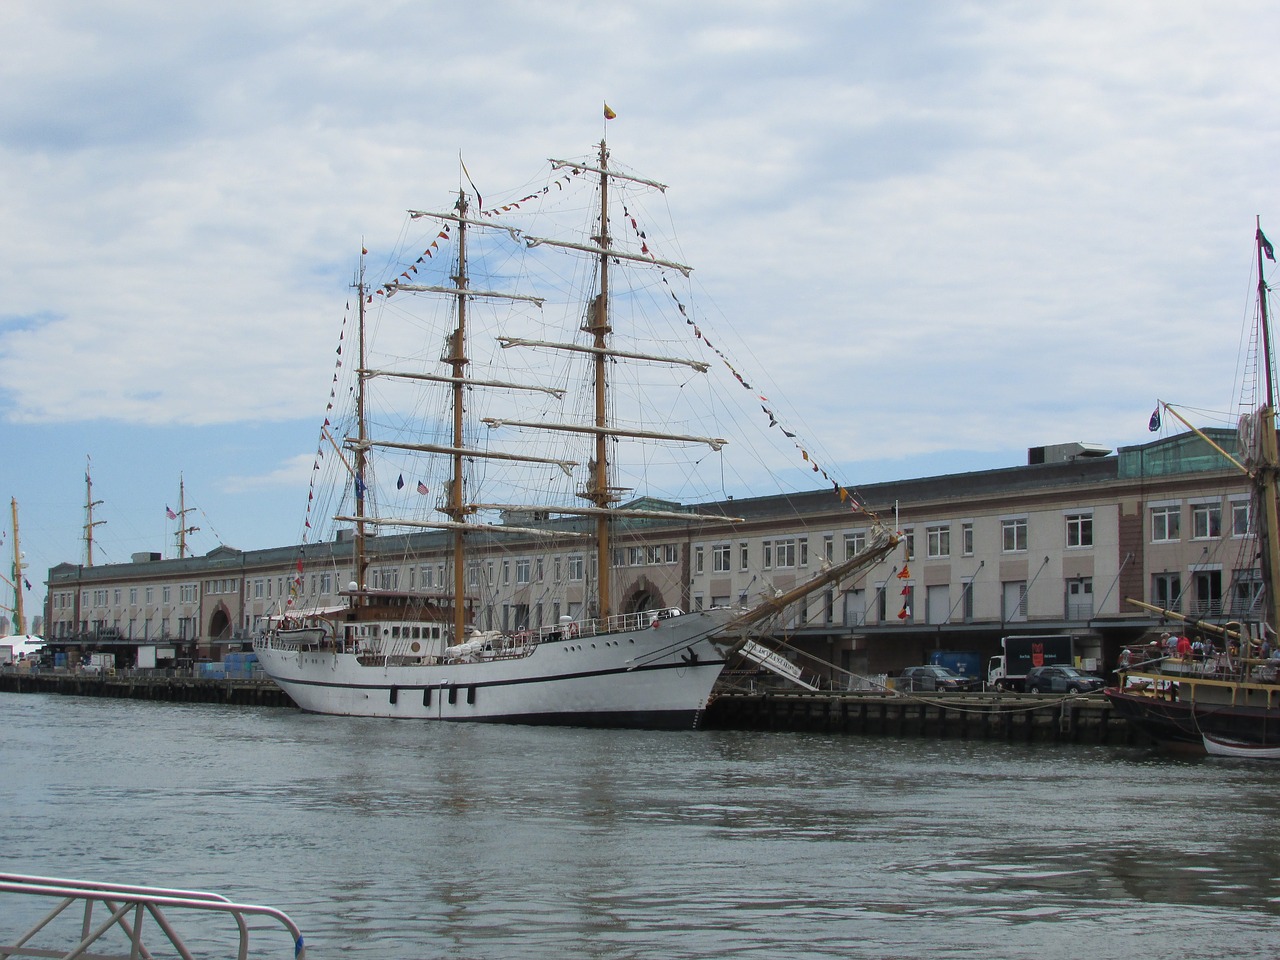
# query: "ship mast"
183,510
598,326
19,618
89,522
457,360
360,556
1269,466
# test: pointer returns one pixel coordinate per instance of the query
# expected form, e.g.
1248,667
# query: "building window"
828,548
966,539
1166,591
1165,523
744,557
635,556
653,554
1241,519
1208,600
1206,521
1246,594
909,542
575,566
1014,534
854,544
966,600
672,553
784,552
524,570
937,542
720,559
697,559
1080,530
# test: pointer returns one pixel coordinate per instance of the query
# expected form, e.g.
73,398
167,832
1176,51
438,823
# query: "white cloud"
926,227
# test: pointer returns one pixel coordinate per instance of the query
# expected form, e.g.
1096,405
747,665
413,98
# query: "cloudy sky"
955,230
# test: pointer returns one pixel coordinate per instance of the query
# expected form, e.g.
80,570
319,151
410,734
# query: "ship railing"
121,911
595,626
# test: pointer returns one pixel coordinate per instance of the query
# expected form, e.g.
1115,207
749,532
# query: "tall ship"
570,408
1223,696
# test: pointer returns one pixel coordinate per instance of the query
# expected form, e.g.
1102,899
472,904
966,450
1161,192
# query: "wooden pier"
1082,718
260,692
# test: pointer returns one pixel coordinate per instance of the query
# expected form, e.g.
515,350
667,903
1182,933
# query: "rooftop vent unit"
1065,452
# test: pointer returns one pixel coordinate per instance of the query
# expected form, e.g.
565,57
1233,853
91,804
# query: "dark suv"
1062,680
934,678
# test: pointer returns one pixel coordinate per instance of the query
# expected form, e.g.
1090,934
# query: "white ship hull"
657,676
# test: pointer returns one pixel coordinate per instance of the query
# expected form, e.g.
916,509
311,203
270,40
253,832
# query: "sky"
954,230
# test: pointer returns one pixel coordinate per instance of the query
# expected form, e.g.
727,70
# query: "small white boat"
1219,747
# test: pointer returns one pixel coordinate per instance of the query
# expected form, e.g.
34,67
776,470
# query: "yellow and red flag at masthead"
608,112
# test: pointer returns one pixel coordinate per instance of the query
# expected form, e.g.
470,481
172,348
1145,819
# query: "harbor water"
417,840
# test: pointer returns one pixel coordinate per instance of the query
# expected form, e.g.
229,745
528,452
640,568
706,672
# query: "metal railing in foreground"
125,909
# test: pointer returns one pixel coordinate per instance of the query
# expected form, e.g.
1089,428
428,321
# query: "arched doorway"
219,624
644,595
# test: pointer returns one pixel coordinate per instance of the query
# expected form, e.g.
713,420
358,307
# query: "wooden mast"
1269,465
360,557
598,326
183,529
457,359
19,618
89,522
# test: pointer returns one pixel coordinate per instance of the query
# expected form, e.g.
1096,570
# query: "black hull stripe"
597,719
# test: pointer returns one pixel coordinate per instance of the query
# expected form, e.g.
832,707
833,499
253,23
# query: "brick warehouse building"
1055,545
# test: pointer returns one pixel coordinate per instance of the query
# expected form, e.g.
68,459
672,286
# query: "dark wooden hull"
1186,722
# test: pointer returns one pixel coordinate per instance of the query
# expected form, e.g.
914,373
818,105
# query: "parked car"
1060,679
934,677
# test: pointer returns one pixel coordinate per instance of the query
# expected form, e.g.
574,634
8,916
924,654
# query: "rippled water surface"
398,839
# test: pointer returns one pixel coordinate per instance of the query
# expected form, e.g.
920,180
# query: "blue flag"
1154,423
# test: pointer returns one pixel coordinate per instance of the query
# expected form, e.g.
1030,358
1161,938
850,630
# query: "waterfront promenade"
967,716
